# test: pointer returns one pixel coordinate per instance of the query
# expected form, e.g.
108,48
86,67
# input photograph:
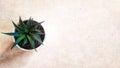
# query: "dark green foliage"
28,32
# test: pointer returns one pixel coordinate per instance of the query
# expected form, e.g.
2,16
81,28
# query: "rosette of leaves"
26,33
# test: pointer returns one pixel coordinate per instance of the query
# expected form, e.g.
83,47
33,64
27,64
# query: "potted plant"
28,34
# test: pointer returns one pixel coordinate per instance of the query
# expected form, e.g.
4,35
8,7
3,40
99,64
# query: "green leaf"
18,27
30,21
31,42
21,22
18,40
37,30
13,34
24,41
35,25
37,38
40,33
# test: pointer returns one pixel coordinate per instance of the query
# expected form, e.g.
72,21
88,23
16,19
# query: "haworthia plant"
28,32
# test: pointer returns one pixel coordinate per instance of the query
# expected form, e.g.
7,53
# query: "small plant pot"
28,47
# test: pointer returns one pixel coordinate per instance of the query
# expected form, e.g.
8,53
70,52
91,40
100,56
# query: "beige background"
79,33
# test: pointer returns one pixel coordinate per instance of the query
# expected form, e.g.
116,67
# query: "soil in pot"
37,44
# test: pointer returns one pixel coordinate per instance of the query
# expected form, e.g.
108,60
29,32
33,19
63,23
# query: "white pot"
21,47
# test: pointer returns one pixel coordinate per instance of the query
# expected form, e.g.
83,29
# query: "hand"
5,43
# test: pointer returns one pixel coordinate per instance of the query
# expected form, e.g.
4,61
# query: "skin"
8,57
3,46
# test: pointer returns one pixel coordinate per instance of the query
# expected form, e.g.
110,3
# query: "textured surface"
79,33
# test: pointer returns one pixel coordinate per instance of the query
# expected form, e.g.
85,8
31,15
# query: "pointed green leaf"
24,41
13,34
31,42
18,40
21,22
40,33
37,30
37,25
17,27
30,21
37,38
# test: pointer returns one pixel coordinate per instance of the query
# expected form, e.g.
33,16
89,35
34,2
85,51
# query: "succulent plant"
26,33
